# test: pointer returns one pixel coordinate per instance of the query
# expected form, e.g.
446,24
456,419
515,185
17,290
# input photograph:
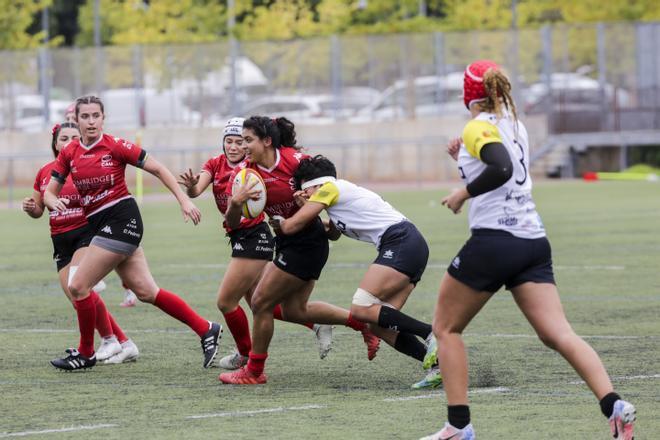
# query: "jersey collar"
277,162
89,147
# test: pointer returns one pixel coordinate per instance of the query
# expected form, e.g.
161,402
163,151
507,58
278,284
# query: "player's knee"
226,305
144,292
556,340
259,304
77,289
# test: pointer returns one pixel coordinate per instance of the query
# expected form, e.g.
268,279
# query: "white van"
130,108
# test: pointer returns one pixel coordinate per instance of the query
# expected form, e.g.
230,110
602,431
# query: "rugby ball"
251,208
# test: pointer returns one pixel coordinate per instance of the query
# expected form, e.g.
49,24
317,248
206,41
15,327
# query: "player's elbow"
506,172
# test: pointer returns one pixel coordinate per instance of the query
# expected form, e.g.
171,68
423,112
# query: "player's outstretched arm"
188,208
195,184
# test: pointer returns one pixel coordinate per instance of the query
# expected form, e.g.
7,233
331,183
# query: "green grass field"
607,260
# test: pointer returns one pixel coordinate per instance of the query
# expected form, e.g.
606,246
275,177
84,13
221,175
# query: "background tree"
16,17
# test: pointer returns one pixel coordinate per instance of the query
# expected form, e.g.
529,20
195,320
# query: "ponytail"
280,130
498,91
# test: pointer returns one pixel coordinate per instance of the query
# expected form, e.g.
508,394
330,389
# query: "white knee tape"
72,272
365,299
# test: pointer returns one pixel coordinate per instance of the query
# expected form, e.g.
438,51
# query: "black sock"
607,403
409,345
458,415
396,320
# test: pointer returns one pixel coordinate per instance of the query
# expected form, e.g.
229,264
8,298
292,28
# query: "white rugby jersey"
509,207
357,212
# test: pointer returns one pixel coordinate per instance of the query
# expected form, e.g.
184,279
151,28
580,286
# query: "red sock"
277,314
257,363
240,330
116,330
103,324
86,310
354,323
176,307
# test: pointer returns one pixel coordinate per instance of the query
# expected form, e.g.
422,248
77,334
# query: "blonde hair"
498,91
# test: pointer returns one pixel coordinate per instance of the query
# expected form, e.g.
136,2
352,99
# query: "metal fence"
412,161
585,77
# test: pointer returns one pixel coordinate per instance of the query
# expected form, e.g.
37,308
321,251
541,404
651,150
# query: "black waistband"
491,232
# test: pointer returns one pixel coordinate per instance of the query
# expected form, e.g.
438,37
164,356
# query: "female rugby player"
251,248
289,279
508,246
97,164
71,236
402,254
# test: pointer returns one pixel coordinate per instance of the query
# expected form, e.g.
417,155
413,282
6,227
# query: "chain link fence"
584,77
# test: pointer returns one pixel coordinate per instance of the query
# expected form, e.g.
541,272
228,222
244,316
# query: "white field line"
56,431
256,412
440,394
529,336
339,331
367,264
622,378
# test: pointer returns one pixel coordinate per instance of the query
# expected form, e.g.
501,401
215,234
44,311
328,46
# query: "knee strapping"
365,299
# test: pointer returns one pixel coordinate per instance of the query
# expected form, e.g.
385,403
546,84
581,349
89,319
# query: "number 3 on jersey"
522,162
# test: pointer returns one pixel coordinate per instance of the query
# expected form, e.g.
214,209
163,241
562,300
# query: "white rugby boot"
129,353
323,339
109,347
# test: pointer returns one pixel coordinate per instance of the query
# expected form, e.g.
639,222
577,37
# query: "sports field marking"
339,332
529,336
56,431
644,376
440,394
256,412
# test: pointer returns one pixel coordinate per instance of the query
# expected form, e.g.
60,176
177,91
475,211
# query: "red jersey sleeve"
130,153
62,165
37,180
210,166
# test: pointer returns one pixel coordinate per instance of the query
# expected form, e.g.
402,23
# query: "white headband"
318,181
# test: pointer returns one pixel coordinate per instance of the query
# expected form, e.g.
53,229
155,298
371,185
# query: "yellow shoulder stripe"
477,133
327,194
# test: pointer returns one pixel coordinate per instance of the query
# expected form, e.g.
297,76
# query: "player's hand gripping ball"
253,206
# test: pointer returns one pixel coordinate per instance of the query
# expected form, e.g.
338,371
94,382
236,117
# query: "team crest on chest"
106,161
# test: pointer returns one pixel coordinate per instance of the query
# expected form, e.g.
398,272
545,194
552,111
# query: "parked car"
419,97
575,102
318,109
573,92
150,107
28,113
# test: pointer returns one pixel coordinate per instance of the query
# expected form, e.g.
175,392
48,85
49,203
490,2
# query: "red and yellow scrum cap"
473,81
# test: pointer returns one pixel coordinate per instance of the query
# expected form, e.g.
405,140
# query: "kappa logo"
107,229
456,263
389,254
238,247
